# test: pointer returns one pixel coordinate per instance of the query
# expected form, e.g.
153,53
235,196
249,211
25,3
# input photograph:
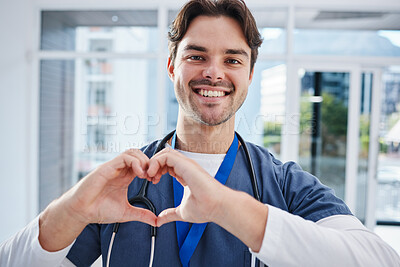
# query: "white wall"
16,206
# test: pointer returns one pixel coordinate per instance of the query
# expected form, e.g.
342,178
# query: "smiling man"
296,220
211,79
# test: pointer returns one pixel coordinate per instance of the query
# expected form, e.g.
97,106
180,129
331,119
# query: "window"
388,173
323,127
93,107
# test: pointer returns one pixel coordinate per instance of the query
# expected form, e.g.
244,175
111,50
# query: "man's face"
211,72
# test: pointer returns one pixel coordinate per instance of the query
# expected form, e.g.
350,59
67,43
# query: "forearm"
340,241
58,226
243,216
289,240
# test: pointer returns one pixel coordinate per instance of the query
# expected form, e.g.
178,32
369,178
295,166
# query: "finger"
168,215
166,157
154,168
135,164
122,163
164,150
137,153
177,164
139,214
160,170
157,178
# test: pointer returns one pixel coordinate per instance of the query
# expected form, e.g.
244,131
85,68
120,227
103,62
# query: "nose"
214,71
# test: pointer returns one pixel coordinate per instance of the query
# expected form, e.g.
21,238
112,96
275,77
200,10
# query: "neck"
196,137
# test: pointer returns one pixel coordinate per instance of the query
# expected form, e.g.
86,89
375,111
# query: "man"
213,47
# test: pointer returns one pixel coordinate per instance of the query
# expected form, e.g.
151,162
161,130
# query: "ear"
251,76
170,69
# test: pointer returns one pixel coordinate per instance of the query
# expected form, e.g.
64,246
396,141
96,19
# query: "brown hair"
235,9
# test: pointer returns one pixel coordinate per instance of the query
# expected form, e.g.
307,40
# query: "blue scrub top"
285,186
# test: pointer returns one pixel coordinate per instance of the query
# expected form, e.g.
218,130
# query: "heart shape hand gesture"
101,197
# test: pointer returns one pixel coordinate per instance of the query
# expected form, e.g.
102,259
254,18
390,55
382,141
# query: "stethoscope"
141,198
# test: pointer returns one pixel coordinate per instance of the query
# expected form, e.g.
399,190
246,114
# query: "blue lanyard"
189,237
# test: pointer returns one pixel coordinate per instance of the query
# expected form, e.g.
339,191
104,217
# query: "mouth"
211,93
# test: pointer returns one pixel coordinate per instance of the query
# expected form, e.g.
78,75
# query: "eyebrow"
227,52
195,47
236,52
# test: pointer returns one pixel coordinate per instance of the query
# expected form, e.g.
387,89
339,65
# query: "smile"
211,93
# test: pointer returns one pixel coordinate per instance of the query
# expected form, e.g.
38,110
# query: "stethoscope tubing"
141,198
253,179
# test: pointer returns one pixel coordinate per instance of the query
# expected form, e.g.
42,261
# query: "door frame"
373,149
290,137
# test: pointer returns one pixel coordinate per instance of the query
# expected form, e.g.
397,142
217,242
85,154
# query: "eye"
232,61
195,58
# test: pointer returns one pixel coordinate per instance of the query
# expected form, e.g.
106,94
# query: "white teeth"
209,93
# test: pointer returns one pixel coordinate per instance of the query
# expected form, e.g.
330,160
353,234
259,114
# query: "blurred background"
81,81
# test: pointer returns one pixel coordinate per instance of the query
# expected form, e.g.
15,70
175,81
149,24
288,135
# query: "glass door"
324,106
378,195
388,167
349,137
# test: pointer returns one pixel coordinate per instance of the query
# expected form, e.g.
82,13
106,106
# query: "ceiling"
306,18
320,19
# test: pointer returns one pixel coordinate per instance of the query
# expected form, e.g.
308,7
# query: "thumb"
168,215
139,214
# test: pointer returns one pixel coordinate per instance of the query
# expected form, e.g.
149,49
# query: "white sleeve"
339,240
24,249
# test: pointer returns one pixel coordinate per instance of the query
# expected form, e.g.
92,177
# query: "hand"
100,197
207,200
202,193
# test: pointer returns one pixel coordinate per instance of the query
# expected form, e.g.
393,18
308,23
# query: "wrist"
225,202
58,227
72,208
243,216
